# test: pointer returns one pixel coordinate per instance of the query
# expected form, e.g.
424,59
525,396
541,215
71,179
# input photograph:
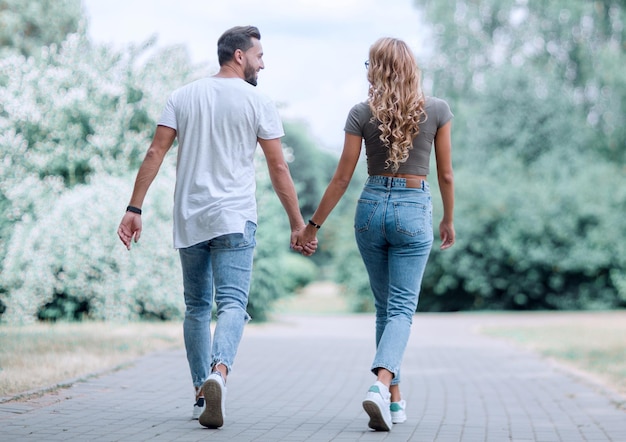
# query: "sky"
314,50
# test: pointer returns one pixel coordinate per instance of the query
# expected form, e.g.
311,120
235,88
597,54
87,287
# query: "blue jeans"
394,232
223,266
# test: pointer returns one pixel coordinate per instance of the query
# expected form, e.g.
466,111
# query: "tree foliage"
67,262
74,111
539,155
580,44
28,26
278,271
75,121
539,244
539,149
312,167
99,104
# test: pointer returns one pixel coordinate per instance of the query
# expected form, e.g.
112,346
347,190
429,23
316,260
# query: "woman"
393,221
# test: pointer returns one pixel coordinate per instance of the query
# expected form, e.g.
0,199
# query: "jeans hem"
376,367
217,362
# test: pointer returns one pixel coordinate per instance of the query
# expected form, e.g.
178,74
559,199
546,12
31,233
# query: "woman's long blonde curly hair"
395,97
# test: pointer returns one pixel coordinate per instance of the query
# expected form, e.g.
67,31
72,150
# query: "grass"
589,342
43,355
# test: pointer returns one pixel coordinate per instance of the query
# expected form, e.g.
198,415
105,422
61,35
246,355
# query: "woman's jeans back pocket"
412,218
365,210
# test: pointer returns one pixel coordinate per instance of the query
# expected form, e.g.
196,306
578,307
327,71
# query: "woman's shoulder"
435,102
439,108
361,106
361,110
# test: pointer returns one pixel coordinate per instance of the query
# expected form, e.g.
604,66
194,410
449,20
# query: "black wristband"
317,226
133,209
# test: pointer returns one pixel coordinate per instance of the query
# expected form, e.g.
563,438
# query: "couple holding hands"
218,122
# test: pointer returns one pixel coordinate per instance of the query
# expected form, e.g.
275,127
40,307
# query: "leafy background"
539,140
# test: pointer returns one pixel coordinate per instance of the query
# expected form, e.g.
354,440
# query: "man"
218,122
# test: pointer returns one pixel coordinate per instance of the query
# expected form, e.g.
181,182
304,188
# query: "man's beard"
249,75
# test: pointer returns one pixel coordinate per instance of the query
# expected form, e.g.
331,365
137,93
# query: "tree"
278,271
77,110
75,122
536,94
312,167
82,109
581,43
28,26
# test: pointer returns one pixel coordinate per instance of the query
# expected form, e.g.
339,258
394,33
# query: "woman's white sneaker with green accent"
398,411
377,406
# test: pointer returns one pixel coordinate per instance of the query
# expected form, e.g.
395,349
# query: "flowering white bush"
83,109
26,27
73,250
74,111
75,122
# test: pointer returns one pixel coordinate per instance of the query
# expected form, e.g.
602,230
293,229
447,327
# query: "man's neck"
228,71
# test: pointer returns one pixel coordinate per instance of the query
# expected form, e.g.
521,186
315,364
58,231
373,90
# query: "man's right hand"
130,228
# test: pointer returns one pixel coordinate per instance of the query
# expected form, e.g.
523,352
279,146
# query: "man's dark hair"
239,37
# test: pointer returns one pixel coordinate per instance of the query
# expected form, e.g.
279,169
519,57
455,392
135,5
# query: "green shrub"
69,262
278,271
540,238
349,270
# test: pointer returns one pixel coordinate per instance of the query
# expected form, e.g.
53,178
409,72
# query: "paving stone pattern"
302,378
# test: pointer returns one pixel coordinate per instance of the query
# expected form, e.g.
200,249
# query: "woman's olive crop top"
359,123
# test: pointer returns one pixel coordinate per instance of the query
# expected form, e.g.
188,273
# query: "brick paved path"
303,379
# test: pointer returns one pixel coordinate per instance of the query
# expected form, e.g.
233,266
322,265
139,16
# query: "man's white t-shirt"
218,121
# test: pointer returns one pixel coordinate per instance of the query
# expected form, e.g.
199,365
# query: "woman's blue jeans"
220,266
394,233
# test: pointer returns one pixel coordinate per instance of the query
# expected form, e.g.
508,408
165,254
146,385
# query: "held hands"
131,225
304,240
130,228
446,231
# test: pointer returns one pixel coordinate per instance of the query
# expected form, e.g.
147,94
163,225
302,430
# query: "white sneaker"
214,390
198,408
377,406
398,412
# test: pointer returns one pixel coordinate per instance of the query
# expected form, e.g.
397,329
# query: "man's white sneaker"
398,412
377,406
214,391
198,408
